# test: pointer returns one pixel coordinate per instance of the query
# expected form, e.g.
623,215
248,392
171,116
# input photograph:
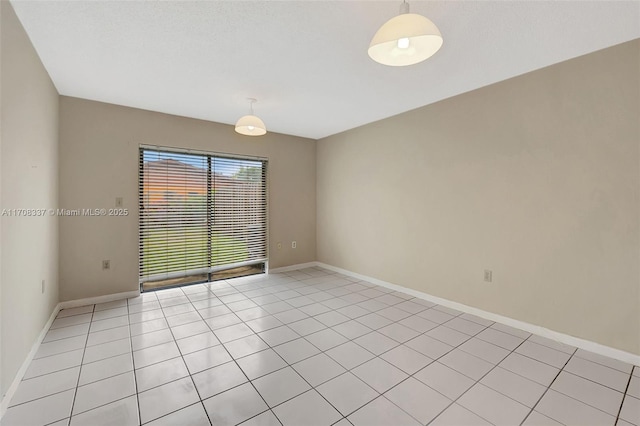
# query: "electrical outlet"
118,201
294,244
488,275
279,245
106,264
42,287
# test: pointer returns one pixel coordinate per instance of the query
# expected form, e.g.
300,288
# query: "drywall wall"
536,178
99,161
28,176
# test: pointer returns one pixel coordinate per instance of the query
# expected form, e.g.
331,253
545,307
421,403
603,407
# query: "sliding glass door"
200,214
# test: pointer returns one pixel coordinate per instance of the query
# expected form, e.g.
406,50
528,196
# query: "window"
199,214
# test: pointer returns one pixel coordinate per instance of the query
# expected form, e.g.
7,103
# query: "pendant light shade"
251,125
407,39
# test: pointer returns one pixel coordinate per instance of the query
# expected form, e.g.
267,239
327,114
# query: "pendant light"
250,125
407,39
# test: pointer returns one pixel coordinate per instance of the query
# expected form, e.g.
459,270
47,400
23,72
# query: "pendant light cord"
404,7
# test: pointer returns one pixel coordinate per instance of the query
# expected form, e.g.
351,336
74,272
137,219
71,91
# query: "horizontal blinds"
238,208
199,213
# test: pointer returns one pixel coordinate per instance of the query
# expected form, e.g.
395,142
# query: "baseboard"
23,368
293,267
521,325
99,299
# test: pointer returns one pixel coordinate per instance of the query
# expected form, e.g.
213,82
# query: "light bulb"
405,39
403,43
250,128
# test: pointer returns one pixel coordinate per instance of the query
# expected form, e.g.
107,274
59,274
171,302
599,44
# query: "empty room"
297,213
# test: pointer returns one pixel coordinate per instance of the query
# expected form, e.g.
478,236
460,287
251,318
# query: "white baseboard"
34,349
531,328
293,267
99,299
23,368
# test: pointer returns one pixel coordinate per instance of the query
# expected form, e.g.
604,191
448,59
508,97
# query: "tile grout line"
288,365
547,390
453,401
477,381
624,395
133,364
236,364
589,380
115,375
562,369
233,359
75,394
77,386
181,356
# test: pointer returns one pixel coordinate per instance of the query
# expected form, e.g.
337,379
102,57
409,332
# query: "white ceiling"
305,61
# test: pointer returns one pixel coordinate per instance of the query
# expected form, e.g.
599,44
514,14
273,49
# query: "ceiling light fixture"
407,39
250,125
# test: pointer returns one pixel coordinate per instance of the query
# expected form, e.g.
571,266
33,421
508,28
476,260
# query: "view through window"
202,217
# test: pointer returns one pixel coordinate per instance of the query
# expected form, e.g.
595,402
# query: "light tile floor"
309,347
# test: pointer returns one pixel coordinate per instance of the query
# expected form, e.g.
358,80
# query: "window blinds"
200,213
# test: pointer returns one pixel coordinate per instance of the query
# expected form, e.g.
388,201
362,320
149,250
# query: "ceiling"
305,61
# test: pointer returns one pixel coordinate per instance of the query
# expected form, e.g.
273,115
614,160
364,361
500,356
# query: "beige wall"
99,162
536,178
28,176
